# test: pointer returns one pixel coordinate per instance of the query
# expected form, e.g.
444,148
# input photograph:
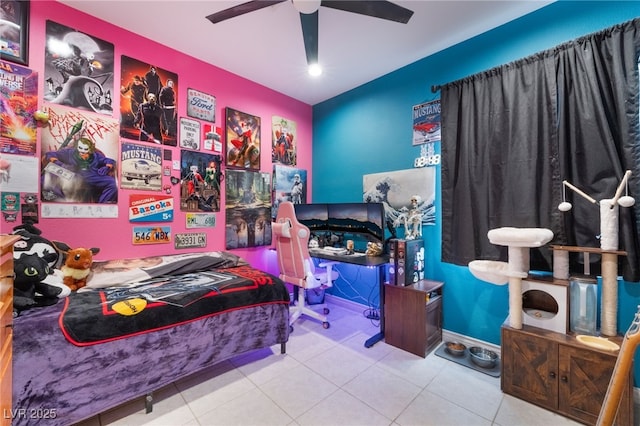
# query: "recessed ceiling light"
315,70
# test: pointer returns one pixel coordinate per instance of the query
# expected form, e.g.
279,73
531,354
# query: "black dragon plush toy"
34,259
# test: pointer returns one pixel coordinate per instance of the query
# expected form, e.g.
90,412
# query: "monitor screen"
360,222
313,216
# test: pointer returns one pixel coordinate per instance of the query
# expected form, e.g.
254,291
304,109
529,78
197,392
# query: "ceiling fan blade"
310,34
241,9
376,8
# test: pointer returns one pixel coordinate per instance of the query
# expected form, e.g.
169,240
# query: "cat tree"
521,240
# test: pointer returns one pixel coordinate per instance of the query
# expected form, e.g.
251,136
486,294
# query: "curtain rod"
435,88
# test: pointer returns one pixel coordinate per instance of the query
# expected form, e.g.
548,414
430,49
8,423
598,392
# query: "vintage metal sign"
151,235
150,208
190,240
201,106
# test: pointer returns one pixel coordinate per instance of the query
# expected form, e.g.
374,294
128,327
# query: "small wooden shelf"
596,250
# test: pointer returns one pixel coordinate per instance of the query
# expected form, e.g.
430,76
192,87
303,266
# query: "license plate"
190,240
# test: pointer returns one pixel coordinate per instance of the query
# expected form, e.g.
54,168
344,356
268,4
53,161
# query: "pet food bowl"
455,348
483,357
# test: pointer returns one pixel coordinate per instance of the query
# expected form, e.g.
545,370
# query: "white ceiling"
266,46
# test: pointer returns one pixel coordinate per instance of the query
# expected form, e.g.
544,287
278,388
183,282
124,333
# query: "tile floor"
328,377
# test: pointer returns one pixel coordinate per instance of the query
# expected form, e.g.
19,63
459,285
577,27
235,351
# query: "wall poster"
148,103
243,140
248,209
395,189
289,184
283,137
199,181
78,70
79,160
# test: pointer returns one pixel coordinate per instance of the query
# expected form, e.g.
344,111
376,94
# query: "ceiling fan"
309,15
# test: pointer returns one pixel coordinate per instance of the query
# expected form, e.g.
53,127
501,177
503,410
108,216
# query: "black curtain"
512,134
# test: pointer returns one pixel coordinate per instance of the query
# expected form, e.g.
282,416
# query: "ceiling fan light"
314,70
306,6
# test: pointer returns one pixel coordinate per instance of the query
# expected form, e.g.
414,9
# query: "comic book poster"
243,140
79,157
140,167
19,98
426,122
199,181
148,103
289,184
248,209
78,70
283,137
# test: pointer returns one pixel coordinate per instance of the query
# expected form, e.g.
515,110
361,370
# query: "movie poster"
148,103
19,99
79,157
141,167
199,181
426,122
283,137
289,184
248,209
243,140
78,70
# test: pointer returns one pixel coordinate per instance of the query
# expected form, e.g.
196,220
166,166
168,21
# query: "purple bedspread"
52,376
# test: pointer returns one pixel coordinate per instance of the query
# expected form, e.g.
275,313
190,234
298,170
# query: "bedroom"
553,25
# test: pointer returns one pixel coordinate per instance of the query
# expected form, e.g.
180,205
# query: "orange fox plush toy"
77,267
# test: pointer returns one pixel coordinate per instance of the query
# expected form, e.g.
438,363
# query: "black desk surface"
356,259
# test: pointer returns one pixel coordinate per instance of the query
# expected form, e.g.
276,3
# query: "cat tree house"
520,240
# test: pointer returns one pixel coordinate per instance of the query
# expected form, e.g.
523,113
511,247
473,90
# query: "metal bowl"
455,348
482,357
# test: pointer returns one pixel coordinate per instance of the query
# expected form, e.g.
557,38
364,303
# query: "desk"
375,261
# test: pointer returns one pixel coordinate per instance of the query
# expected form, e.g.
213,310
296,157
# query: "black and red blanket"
111,313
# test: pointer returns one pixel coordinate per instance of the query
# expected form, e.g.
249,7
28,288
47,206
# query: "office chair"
296,266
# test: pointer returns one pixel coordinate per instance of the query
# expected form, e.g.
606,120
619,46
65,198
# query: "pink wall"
113,236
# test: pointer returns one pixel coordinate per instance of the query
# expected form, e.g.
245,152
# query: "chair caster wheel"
326,311
326,325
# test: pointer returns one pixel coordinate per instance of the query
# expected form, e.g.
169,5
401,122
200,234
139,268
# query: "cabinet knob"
564,379
552,375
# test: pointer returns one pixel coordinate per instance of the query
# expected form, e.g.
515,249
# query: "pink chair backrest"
292,246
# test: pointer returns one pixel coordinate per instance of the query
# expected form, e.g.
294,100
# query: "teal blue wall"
368,130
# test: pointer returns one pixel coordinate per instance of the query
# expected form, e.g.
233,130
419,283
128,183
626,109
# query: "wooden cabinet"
6,322
555,371
413,316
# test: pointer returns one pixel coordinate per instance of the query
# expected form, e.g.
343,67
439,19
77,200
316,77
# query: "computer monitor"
360,222
313,216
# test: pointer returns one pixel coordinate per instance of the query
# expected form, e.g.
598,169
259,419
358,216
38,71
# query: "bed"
136,329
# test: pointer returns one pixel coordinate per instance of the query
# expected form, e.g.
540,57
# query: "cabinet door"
529,368
584,379
405,316
434,323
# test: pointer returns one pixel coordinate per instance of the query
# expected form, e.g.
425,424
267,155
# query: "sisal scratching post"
609,241
609,303
518,263
608,225
561,264
515,302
